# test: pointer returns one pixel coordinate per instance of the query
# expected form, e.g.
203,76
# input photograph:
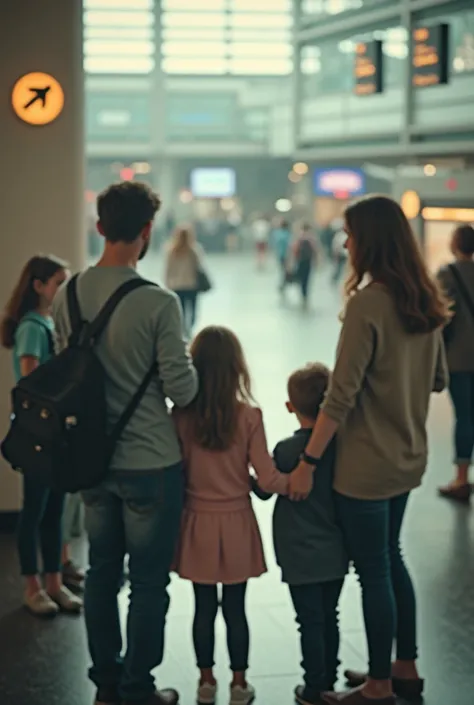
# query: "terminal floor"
45,663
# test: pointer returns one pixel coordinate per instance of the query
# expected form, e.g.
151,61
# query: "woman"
390,358
27,329
458,281
184,261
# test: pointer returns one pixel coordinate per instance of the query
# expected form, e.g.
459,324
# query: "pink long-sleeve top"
220,480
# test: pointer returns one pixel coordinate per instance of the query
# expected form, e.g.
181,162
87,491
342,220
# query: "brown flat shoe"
356,697
460,493
405,688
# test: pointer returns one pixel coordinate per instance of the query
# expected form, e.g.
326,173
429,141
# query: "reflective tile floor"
45,663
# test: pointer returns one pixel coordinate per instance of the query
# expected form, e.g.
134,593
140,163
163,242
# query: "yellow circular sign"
37,98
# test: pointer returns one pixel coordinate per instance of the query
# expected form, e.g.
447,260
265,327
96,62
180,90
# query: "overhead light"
127,173
300,168
294,177
185,196
227,204
283,205
452,215
430,170
142,167
410,203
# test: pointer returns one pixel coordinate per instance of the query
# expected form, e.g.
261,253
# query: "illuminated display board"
368,65
430,55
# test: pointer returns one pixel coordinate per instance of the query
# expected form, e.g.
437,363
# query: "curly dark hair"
124,209
224,385
384,247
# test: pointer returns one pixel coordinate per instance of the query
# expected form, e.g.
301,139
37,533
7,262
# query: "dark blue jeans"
188,299
461,389
41,518
317,615
371,531
139,514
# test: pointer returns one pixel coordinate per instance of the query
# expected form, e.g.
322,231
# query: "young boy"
308,543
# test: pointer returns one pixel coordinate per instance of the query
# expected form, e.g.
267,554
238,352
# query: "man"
137,509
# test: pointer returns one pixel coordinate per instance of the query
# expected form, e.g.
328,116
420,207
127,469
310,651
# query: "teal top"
33,340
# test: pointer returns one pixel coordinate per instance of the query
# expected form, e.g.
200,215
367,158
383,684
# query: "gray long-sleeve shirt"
145,327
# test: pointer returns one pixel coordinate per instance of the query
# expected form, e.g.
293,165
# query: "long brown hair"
182,240
224,384
24,297
384,247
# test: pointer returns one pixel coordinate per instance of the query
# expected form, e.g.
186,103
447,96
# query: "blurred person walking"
281,238
458,281
260,229
305,259
339,255
390,358
185,273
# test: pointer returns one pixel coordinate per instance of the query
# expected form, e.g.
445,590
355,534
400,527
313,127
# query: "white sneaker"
206,694
241,696
40,604
67,601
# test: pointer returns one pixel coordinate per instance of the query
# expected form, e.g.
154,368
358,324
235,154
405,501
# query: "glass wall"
119,36
218,37
318,8
329,66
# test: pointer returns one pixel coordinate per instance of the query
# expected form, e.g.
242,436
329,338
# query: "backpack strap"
74,310
95,328
132,405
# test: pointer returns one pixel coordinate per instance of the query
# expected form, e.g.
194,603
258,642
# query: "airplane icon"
41,94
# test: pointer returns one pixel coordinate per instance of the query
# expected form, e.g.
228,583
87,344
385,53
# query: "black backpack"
58,431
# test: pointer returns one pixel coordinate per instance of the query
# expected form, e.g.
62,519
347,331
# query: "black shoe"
107,695
304,697
161,697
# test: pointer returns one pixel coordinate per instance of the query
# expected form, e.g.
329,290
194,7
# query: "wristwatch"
310,459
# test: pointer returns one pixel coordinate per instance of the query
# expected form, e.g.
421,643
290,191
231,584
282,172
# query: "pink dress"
220,540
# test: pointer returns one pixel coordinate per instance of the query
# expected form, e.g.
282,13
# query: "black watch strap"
310,459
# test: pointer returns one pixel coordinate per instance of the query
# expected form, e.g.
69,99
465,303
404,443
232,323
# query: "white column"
42,175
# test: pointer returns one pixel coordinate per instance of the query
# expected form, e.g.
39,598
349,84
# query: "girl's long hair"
224,384
385,248
182,241
24,297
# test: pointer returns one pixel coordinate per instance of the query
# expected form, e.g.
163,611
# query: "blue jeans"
371,531
139,514
317,615
188,299
461,389
41,518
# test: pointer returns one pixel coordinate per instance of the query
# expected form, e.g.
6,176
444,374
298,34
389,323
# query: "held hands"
301,482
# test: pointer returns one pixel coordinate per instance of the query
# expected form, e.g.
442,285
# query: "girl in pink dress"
222,436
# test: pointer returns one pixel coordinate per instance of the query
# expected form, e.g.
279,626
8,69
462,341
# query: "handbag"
465,296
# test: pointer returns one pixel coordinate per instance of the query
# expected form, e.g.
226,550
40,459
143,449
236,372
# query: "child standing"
222,434
28,330
308,543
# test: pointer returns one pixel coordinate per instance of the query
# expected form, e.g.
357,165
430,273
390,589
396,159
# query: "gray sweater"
145,327
379,395
460,348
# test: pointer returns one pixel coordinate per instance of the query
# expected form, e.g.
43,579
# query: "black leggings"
233,610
